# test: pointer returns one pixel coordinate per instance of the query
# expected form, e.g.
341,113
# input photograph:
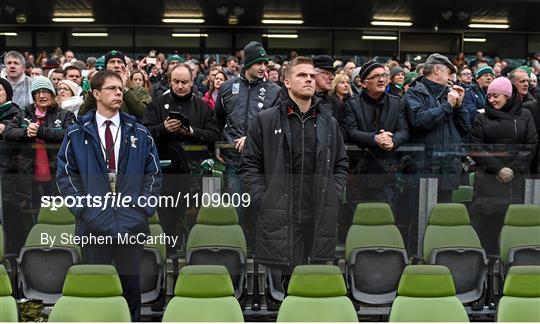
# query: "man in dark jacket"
294,167
323,84
240,99
92,161
170,137
475,98
534,108
377,123
438,120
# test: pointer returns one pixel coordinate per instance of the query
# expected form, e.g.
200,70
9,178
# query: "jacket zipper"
302,121
246,127
515,129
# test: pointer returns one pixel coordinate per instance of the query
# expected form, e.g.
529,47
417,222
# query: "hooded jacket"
82,171
237,104
513,129
267,169
439,126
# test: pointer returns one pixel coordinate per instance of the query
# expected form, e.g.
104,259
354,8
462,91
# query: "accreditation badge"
112,181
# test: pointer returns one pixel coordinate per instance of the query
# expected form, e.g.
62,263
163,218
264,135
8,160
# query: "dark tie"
109,146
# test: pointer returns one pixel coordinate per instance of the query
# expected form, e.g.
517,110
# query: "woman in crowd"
140,78
67,96
40,123
503,166
397,78
341,87
211,95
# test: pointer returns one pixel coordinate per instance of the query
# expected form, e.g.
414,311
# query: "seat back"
203,293
43,264
153,264
426,293
217,239
451,241
519,242
375,254
521,300
8,306
317,293
91,293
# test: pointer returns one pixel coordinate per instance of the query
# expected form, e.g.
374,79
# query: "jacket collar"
87,123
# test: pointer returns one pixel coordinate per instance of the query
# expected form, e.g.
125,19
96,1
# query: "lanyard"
108,153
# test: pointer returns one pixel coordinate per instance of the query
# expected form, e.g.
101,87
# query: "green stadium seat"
375,254
519,242
91,293
8,306
317,293
451,241
426,293
42,268
153,265
463,194
203,293
521,300
218,239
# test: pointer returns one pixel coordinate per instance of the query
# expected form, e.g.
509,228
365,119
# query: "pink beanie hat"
501,85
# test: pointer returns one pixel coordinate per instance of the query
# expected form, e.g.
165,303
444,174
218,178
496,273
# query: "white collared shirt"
115,127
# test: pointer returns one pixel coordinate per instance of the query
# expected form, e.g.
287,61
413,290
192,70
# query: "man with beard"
239,101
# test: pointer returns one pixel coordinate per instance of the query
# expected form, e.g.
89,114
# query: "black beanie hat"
7,88
368,67
115,54
253,53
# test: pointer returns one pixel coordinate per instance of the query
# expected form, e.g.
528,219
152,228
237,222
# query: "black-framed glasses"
382,76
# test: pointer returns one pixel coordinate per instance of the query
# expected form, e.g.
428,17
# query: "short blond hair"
340,77
295,62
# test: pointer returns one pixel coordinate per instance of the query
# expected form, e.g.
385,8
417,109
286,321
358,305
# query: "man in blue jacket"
108,153
438,120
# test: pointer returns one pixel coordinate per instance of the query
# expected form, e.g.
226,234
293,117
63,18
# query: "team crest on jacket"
57,123
133,141
166,106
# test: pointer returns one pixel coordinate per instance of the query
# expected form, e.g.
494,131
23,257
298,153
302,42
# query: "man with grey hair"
520,79
14,73
438,120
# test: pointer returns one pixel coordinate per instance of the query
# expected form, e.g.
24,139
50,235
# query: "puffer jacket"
513,133
267,169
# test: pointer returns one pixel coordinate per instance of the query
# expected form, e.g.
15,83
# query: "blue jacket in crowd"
435,123
82,171
474,99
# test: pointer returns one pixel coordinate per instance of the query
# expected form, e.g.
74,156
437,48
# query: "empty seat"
218,239
91,293
375,254
42,268
203,293
426,293
519,242
8,306
521,300
317,293
451,241
463,194
153,264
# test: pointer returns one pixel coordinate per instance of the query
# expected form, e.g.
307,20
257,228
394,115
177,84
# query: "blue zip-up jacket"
82,171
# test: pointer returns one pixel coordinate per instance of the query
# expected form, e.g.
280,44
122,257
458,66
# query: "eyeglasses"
63,89
113,88
466,74
382,76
